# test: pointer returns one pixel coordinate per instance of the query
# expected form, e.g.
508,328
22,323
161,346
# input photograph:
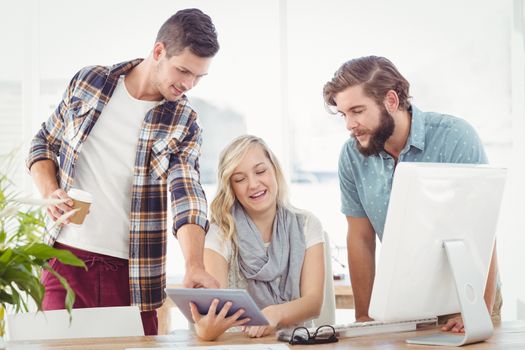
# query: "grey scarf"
273,276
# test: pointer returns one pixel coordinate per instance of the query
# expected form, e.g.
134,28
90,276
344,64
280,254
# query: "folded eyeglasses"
323,334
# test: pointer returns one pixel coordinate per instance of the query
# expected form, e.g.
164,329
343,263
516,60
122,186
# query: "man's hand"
197,277
365,318
44,174
454,325
191,240
56,211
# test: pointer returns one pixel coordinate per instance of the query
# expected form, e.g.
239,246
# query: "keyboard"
357,329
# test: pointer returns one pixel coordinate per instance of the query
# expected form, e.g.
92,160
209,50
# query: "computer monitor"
437,246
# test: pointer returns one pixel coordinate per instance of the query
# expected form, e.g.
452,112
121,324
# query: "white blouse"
313,232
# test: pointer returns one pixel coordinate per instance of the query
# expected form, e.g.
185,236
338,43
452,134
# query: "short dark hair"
377,75
190,28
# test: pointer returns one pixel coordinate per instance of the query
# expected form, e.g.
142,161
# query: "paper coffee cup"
81,200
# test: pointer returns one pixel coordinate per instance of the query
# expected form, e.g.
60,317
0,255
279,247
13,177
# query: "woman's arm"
212,325
217,266
308,306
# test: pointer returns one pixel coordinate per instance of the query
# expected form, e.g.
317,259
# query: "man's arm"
490,288
361,245
45,147
188,203
44,174
47,142
191,240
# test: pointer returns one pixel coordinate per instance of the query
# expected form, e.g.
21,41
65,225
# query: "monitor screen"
431,203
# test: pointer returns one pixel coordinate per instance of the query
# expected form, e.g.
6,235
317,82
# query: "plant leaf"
45,252
22,253
70,295
6,256
40,202
5,297
8,212
32,286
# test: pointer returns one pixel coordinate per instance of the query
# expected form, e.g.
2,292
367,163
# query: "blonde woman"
258,242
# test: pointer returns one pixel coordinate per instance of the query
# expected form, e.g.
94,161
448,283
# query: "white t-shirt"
313,234
105,169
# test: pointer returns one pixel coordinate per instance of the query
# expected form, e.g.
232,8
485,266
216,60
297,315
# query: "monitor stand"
470,289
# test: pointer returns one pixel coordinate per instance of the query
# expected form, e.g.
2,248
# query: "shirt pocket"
74,119
161,152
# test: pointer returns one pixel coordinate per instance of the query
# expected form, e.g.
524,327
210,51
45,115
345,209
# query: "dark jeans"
105,283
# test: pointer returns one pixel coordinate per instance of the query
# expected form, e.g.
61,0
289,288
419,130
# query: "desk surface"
508,335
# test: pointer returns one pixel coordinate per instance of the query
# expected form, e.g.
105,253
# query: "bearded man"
373,98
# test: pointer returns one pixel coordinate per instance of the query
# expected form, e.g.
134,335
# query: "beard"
379,135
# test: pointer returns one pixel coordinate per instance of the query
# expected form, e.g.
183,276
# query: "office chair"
327,315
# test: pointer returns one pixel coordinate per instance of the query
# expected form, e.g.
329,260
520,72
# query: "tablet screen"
202,298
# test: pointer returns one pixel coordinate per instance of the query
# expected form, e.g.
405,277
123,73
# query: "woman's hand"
210,326
272,314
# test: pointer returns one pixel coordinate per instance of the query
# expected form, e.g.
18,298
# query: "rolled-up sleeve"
188,201
46,143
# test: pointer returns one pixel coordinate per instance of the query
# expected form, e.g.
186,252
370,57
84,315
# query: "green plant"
22,255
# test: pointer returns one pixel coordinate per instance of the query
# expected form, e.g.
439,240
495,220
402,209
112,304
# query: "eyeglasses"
322,335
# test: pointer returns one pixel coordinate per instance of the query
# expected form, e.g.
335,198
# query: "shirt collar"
416,137
124,68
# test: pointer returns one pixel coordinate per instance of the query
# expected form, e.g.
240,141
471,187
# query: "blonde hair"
229,159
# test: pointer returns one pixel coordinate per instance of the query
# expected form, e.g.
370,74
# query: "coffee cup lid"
80,195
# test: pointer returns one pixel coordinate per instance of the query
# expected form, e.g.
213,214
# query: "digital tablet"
202,298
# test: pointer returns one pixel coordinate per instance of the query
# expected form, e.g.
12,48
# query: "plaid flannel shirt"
167,155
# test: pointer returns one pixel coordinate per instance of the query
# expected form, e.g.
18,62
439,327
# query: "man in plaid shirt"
128,135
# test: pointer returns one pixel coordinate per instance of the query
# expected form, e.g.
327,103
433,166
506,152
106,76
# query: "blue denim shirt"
366,182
